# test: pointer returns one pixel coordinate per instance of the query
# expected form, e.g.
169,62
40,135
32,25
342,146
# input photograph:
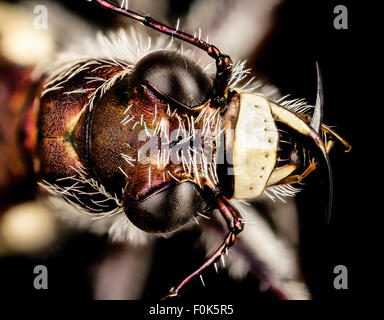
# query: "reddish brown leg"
235,225
224,63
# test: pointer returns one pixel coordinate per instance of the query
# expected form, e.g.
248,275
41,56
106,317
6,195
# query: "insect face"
154,153
161,141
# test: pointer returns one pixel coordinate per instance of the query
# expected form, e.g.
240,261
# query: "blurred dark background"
302,34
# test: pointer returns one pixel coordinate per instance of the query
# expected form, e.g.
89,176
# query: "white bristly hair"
118,226
122,49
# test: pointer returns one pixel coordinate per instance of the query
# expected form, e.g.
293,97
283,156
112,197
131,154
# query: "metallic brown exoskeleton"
162,141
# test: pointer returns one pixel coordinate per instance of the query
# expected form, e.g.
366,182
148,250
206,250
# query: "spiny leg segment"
235,226
224,64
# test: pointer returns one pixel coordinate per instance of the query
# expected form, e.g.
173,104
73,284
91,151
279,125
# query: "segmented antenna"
224,63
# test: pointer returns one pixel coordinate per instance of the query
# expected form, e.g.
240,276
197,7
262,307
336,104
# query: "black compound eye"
175,76
167,211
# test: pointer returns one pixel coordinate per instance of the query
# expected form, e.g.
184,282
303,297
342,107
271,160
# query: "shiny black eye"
175,76
167,211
